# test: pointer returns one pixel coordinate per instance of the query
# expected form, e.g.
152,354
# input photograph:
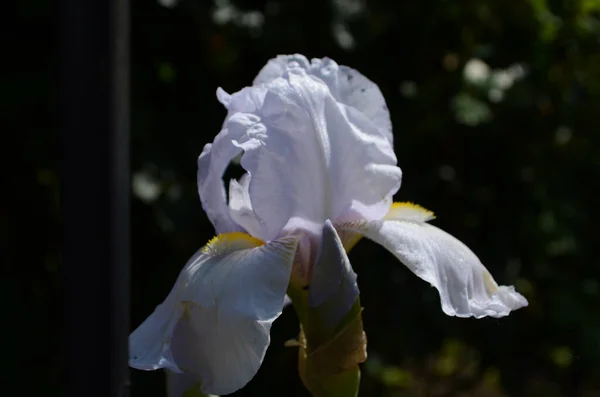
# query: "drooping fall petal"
465,286
215,323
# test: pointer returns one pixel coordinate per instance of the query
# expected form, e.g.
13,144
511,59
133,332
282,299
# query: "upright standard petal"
317,144
466,287
212,163
215,323
310,159
348,86
216,157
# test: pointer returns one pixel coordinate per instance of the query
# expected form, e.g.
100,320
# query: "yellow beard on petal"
228,242
349,239
398,211
407,209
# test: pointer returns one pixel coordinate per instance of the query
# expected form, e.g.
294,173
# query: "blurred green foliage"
496,114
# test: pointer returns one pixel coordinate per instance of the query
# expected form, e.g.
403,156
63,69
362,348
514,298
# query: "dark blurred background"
496,114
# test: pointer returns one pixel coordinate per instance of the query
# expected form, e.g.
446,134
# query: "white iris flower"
316,142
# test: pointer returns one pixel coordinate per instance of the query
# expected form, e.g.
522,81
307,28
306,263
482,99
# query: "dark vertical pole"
95,185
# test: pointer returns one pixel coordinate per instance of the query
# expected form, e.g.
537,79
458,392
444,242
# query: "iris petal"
348,86
465,286
333,288
215,323
216,157
310,159
240,205
317,144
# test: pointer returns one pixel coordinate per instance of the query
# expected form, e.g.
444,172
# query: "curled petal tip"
223,97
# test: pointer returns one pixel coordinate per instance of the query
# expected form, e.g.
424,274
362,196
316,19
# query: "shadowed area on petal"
333,288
